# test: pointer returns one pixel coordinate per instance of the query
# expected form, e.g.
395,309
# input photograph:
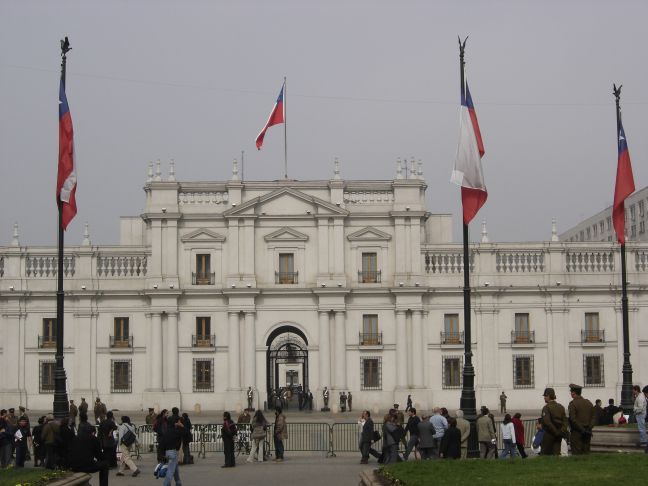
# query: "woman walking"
227,433
519,434
508,437
126,439
259,427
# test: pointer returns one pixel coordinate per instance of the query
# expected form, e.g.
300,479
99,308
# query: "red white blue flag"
67,179
624,185
468,171
276,117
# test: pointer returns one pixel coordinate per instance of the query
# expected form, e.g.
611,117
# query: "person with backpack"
127,438
228,431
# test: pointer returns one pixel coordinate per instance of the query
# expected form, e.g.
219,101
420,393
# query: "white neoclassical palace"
352,285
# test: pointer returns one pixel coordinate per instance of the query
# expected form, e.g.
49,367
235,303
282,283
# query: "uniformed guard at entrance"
554,424
581,421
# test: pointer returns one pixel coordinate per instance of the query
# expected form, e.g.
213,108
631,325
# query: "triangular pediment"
286,234
202,235
286,202
369,234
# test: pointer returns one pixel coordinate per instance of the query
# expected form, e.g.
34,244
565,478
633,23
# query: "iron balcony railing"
203,278
452,337
522,337
286,277
46,341
121,341
369,276
370,338
203,340
593,335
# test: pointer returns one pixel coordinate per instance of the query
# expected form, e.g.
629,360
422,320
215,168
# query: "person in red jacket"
519,434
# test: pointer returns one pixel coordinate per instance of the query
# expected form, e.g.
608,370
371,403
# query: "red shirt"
519,430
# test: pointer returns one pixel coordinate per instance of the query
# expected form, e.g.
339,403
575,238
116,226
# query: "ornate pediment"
286,234
285,202
369,234
202,235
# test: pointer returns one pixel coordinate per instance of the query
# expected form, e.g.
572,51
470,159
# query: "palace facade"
352,285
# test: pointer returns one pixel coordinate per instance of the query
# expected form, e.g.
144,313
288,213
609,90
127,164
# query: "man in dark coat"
85,455
366,438
554,424
581,421
426,438
451,442
412,428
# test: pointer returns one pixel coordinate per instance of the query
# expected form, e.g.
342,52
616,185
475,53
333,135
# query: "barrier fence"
302,437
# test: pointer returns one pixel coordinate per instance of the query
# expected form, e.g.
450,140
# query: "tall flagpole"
60,406
627,403
285,104
468,402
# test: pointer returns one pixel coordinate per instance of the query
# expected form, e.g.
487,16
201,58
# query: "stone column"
417,349
323,248
250,351
248,262
340,351
338,231
324,350
233,250
12,336
233,354
401,350
155,269
399,245
171,358
155,352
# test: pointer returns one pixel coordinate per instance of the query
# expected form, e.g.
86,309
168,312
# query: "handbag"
128,438
376,436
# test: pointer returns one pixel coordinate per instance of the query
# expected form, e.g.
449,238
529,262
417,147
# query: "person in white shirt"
640,413
508,437
125,450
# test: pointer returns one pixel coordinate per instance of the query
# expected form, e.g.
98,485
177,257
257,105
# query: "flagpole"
60,405
285,104
627,403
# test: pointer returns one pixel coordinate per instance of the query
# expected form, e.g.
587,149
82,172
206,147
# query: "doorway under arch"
286,361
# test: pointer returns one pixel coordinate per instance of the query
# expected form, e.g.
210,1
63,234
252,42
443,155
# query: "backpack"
160,470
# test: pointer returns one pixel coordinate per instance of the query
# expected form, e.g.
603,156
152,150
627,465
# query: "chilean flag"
67,180
467,171
276,117
624,185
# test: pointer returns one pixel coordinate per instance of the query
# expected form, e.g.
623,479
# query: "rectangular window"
369,272
286,274
121,376
522,333
633,231
46,378
582,235
203,337
48,338
523,371
203,375
642,210
451,333
122,336
592,332
593,370
452,371
203,275
602,227
370,335
371,378
633,213
595,230
609,223
589,234
642,227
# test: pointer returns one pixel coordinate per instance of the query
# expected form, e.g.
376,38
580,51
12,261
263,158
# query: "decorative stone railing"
204,197
641,260
121,265
443,262
368,197
46,266
590,261
519,261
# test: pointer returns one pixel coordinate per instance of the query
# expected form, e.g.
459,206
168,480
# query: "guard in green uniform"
554,424
581,421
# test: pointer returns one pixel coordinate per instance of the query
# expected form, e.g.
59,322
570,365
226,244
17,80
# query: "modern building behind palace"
353,285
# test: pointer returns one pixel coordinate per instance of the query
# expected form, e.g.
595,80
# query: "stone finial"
15,241
412,172
399,169
484,233
554,231
336,171
171,171
149,177
158,171
235,176
420,169
86,235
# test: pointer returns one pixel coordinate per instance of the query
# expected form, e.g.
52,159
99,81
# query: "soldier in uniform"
83,407
325,396
554,424
250,397
150,418
581,421
74,411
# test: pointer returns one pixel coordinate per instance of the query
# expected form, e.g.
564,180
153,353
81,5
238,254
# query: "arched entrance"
286,362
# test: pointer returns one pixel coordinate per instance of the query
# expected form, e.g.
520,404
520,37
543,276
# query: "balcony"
522,337
286,277
47,342
121,342
203,278
590,336
369,276
452,338
203,340
370,339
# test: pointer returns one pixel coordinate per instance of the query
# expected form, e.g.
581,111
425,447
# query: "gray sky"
368,81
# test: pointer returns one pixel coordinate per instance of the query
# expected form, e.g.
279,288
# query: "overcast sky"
368,81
